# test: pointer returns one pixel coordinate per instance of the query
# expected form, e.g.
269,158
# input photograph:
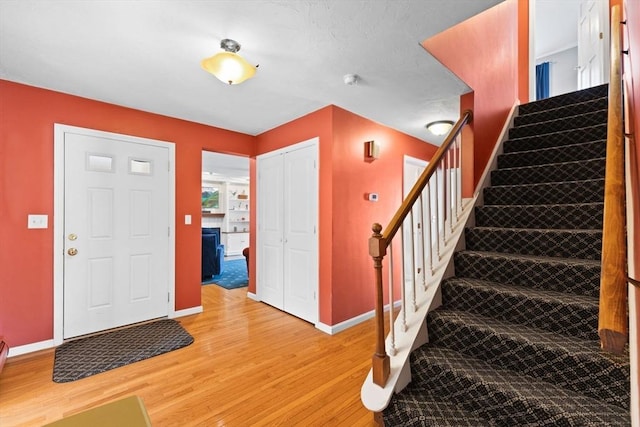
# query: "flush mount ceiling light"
228,66
440,127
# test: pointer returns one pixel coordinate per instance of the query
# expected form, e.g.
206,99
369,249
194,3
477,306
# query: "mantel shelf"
215,214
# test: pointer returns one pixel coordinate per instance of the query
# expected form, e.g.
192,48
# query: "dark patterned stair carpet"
515,341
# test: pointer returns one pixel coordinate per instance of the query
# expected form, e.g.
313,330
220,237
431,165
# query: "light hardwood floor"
250,365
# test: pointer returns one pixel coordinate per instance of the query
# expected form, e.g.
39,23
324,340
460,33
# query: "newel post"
380,360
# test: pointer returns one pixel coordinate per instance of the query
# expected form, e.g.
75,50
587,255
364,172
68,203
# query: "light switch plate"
38,221
187,219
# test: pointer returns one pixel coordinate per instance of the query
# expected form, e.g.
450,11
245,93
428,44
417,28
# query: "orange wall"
483,52
27,115
346,270
523,51
352,275
316,124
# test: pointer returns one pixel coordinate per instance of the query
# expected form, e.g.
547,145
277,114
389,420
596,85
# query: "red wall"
346,270
483,52
27,116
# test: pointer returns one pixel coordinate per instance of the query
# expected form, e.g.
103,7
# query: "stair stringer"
376,398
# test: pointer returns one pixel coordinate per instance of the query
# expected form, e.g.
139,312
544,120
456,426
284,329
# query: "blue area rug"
234,275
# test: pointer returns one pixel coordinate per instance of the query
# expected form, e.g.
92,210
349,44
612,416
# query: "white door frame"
406,247
58,217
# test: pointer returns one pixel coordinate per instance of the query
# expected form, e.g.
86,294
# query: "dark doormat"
99,353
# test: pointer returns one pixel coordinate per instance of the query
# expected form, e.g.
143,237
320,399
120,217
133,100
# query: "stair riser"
559,125
572,171
599,380
591,191
577,278
570,153
561,112
566,318
558,139
588,217
552,243
564,100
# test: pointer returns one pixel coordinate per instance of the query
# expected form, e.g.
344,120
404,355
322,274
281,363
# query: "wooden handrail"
612,320
404,209
380,241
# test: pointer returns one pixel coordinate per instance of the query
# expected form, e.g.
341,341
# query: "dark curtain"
542,80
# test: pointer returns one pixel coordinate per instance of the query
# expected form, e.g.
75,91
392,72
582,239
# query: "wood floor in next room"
250,365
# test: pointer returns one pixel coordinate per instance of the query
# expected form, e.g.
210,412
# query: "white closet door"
269,239
300,233
287,223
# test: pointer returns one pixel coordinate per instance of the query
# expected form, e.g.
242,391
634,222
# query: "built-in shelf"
216,214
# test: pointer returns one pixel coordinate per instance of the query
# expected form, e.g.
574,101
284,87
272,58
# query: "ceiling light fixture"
440,127
228,66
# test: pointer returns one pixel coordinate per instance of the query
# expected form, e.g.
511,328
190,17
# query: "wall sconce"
440,127
371,150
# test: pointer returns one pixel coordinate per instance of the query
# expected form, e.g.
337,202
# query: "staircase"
515,341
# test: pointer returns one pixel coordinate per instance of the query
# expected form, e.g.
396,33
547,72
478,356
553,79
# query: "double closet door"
287,225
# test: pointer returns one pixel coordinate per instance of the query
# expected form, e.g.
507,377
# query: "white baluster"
392,349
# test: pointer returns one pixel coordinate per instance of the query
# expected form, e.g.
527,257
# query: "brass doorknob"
72,251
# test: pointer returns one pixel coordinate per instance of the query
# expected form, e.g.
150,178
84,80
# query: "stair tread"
533,336
526,292
535,258
559,312
534,398
561,164
541,230
562,111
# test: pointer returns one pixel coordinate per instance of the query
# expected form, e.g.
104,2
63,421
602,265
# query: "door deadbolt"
73,236
72,251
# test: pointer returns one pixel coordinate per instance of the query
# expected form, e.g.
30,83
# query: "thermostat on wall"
373,197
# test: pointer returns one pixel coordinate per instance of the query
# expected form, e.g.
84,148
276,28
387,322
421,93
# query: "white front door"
116,232
287,239
593,42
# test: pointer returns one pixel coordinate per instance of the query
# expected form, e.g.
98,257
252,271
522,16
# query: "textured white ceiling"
146,55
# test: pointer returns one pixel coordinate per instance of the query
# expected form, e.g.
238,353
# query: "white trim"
186,312
339,327
58,215
532,50
297,146
253,296
30,348
634,311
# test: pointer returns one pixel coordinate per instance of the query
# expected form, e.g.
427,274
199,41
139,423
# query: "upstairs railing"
429,212
613,318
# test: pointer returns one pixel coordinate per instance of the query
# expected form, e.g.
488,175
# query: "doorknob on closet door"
72,251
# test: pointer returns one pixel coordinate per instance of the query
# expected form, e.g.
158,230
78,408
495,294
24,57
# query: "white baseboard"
186,312
30,348
339,327
253,296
